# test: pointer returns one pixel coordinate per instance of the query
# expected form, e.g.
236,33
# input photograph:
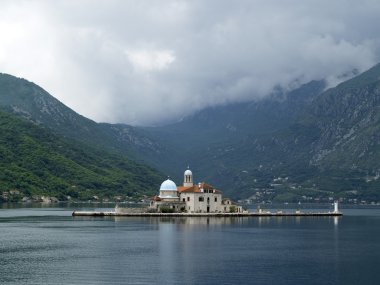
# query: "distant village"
280,190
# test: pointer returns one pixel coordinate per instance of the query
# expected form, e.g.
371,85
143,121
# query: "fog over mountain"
150,62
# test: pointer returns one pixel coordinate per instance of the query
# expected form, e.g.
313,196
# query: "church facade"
191,198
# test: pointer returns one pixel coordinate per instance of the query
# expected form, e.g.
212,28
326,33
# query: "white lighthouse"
336,210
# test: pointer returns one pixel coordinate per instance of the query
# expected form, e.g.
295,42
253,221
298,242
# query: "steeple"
188,178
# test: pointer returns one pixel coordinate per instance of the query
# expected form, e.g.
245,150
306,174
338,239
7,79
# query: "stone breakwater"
244,214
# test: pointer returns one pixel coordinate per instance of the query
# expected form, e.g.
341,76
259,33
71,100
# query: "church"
191,198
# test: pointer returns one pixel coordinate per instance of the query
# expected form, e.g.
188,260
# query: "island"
194,200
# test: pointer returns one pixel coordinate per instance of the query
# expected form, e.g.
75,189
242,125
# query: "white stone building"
191,198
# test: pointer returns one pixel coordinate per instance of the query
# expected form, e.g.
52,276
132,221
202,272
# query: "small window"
201,199
188,198
216,199
183,200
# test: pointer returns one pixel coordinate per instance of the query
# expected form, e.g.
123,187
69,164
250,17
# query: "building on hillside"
191,198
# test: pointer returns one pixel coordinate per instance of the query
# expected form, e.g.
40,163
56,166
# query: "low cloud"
151,62
145,61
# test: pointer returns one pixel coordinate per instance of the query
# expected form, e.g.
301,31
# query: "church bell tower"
188,178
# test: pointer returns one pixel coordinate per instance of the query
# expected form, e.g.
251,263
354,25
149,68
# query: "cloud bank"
150,62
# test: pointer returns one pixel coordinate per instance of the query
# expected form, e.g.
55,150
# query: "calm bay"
49,246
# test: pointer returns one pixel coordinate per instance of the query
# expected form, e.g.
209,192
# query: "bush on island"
166,210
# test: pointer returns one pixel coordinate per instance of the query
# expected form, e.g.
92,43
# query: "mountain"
207,138
346,120
334,144
306,144
33,103
33,161
309,144
48,149
233,121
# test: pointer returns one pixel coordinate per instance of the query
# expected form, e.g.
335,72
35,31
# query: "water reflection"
167,247
185,220
254,220
336,221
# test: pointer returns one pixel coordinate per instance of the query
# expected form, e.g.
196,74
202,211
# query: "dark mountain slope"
348,117
332,147
233,121
204,139
316,144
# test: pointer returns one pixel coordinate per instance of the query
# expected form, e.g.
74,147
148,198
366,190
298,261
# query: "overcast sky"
147,62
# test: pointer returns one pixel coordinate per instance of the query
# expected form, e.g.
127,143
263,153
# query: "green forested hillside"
31,102
36,162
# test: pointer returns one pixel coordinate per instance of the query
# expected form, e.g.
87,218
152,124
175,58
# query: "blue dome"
168,185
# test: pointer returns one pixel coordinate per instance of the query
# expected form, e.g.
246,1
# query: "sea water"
49,246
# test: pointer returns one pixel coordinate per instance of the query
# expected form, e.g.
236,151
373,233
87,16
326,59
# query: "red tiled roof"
196,189
185,189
